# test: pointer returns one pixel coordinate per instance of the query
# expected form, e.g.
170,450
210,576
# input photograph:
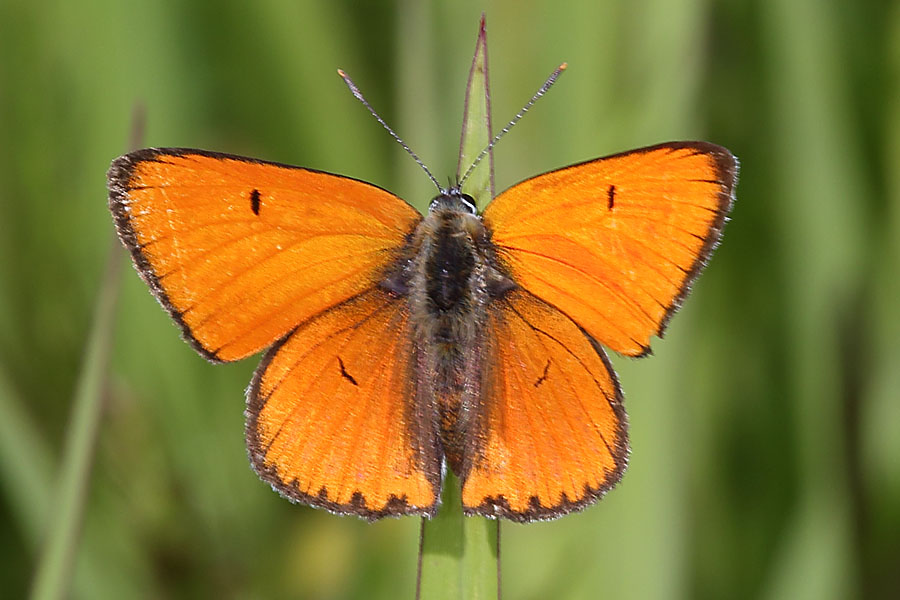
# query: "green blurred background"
765,429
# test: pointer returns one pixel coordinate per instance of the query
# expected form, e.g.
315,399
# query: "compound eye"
469,202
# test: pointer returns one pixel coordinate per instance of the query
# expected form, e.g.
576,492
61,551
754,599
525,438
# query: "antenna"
358,95
543,90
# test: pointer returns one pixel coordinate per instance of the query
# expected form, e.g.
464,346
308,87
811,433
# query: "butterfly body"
400,344
449,273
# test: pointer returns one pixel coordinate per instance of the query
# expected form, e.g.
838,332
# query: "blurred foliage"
765,429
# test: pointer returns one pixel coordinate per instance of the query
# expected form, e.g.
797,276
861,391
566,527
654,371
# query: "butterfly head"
455,200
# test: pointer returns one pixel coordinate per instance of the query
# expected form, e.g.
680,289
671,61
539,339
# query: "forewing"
332,415
552,432
240,251
615,243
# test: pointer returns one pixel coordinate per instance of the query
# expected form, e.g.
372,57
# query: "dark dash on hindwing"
254,202
610,197
543,376
345,374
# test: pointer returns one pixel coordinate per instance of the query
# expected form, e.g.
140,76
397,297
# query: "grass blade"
55,567
476,128
54,571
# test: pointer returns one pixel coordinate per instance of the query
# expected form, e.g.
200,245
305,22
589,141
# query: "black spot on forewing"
345,374
254,202
610,197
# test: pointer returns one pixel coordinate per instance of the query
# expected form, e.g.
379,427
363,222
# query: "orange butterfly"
398,343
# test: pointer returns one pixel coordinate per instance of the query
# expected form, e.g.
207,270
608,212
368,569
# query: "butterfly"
399,344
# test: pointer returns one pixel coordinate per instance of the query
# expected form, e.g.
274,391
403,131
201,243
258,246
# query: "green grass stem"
54,571
55,566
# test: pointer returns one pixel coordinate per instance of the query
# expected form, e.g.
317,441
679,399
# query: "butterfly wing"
240,251
551,434
334,419
615,243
